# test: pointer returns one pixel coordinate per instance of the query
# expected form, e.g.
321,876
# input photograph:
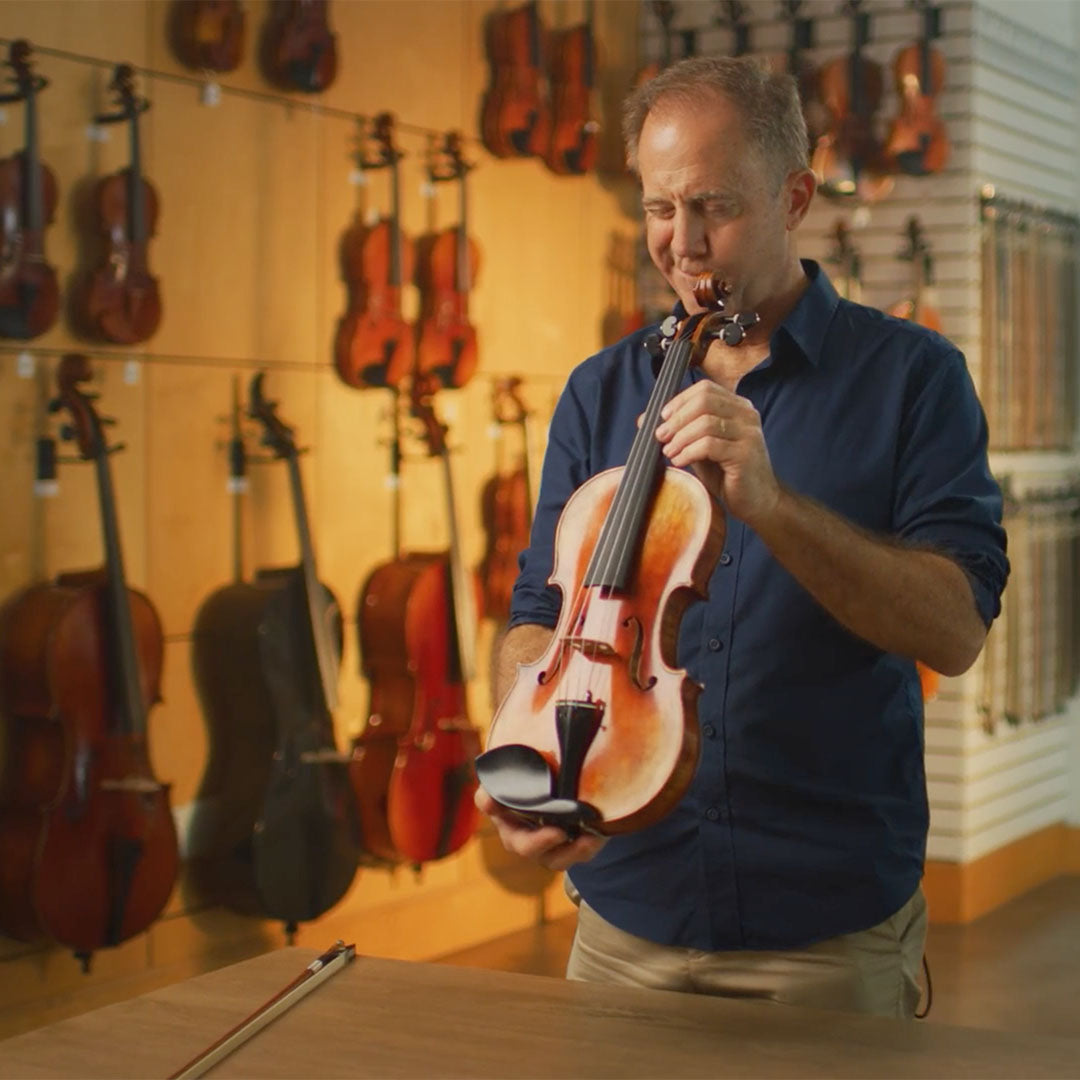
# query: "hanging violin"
298,50
600,734
916,306
374,343
87,841
120,301
845,256
515,120
447,345
29,293
574,141
848,156
207,35
917,143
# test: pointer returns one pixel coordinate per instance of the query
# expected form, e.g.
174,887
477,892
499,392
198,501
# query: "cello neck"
137,210
320,629
460,586
395,224
34,207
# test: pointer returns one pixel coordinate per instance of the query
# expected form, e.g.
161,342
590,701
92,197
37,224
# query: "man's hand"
545,845
718,433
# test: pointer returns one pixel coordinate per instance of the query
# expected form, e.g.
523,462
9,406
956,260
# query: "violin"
304,847
664,13
734,17
29,293
600,734
917,143
848,156
574,141
374,343
846,257
796,64
412,765
916,306
121,302
207,35
514,119
447,345
507,503
87,841
298,50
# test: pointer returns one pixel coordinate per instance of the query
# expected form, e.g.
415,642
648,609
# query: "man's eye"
659,211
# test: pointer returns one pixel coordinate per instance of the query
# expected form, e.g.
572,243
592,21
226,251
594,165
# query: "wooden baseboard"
961,892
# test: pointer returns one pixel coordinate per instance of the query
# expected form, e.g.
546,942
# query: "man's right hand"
547,845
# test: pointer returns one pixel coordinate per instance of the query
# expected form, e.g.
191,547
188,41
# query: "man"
848,451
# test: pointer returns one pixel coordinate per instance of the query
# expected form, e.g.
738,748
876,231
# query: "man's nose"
688,237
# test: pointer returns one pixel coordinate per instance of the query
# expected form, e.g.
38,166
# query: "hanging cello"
120,302
87,841
600,734
29,294
374,343
305,842
447,345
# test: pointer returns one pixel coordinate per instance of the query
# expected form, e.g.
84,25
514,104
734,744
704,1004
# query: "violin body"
208,34
29,291
917,143
374,345
299,50
447,344
515,121
917,310
122,302
574,143
642,758
88,849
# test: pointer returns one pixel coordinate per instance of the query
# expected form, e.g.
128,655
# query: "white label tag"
131,372
427,189
24,365
494,431
371,218
210,94
98,133
237,485
392,482
3,116
46,489
358,177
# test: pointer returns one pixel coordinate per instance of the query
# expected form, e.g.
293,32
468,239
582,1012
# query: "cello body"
80,803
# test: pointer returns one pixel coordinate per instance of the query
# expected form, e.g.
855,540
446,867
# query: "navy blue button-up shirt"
807,816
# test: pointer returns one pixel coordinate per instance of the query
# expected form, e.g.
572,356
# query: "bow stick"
320,969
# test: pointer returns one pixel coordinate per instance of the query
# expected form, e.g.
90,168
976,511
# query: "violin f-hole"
634,663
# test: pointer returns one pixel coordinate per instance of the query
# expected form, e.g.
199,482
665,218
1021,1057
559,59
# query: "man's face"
710,203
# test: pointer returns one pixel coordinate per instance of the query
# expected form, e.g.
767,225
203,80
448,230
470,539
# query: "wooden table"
387,1018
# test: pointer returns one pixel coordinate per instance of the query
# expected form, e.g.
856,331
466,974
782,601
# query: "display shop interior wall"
256,187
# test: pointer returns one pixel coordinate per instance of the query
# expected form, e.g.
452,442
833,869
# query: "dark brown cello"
515,119
88,847
447,345
917,143
298,50
305,844
121,301
29,294
601,734
374,344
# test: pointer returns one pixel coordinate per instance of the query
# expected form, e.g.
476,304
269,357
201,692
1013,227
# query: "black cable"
929,991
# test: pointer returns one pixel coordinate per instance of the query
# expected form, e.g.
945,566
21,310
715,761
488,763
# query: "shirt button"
725,559
715,644
712,814
709,731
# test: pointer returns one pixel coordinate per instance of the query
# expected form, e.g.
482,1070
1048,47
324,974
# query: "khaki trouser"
871,971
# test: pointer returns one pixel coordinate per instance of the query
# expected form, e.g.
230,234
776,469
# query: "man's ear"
799,190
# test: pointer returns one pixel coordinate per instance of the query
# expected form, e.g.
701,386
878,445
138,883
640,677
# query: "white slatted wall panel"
1010,105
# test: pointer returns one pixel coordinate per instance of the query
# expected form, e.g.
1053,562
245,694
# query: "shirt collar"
807,322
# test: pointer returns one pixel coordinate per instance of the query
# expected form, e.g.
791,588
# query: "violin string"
615,537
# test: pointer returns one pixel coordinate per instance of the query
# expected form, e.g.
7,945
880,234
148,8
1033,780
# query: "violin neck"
130,708
34,203
395,225
617,547
136,207
460,587
395,472
532,480
320,629
236,485
462,245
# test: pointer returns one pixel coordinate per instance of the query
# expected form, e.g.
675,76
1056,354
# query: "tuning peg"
55,405
67,432
116,449
107,421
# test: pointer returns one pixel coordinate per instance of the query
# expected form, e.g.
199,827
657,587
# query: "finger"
576,851
721,429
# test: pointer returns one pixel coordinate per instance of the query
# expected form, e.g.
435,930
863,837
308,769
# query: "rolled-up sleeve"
566,468
946,497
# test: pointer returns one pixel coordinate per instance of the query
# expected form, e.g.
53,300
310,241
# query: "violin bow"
319,970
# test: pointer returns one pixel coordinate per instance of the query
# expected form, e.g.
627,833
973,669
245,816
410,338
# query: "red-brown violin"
374,344
574,140
87,842
601,734
298,49
207,35
29,294
121,301
447,270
